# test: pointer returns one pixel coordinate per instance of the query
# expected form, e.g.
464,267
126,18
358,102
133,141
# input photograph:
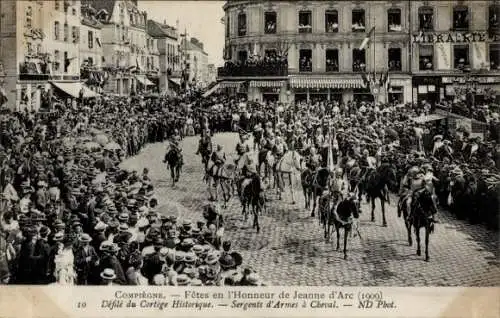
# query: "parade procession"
338,143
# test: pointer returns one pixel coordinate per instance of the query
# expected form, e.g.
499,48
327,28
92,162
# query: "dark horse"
376,185
173,158
343,217
205,150
306,182
422,207
252,195
320,181
326,207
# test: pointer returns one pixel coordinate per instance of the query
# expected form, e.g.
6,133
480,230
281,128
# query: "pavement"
291,249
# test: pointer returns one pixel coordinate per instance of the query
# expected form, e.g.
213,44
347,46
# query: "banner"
443,52
479,59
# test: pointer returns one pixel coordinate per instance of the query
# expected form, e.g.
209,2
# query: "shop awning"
325,82
211,90
176,81
73,89
266,83
428,118
144,81
229,84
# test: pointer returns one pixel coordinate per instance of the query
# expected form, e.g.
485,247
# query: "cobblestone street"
291,250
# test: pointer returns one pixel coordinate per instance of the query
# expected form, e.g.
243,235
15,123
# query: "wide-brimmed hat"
211,259
183,280
85,238
100,226
108,274
58,237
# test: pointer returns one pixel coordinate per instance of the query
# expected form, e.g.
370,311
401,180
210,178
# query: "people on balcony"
358,66
332,27
270,27
461,20
394,65
395,27
255,65
494,24
305,64
332,65
358,26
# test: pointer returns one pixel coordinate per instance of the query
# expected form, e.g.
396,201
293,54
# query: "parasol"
91,145
112,146
101,139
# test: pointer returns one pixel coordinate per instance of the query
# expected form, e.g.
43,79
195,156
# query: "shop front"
362,95
267,90
475,89
324,88
427,88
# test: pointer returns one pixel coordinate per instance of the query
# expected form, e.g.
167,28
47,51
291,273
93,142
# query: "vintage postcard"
254,158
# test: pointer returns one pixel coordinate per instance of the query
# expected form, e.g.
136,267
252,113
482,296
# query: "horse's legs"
347,229
291,188
427,233
314,202
373,208
382,205
417,234
256,219
304,190
337,229
172,174
408,229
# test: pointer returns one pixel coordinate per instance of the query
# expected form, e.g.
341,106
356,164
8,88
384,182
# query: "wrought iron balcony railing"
278,69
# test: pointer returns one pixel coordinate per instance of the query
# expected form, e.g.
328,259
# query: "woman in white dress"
64,264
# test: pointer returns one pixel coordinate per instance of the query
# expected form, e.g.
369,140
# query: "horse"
252,195
422,207
463,189
306,182
376,184
286,166
173,158
265,157
205,150
320,181
326,207
343,217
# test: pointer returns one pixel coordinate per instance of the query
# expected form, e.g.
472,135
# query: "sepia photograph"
249,143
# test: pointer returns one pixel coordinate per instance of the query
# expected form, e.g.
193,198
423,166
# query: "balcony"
35,69
259,69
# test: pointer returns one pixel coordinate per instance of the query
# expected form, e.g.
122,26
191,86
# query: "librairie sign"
455,37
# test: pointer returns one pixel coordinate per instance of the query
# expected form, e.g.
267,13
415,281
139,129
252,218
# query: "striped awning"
228,84
325,82
267,83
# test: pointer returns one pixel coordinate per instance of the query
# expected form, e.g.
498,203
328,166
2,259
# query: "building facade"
91,50
169,65
196,60
424,48
319,43
455,46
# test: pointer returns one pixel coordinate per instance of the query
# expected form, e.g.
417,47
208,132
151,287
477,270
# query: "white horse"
289,164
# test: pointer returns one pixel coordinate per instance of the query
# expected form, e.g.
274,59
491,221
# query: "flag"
367,38
3,96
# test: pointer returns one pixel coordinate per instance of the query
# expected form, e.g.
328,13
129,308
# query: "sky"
202,19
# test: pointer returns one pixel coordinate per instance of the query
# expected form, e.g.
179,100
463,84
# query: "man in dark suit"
86,260
42,250
27,258
109,260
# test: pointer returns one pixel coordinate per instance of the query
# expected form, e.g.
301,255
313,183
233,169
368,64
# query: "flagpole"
374,29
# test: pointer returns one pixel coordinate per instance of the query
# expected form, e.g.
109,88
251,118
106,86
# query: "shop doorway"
270,97
299,98
318,98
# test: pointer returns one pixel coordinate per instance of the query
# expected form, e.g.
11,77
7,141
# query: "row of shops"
400,88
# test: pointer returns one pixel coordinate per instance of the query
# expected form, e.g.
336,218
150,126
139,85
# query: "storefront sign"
463,80
455,37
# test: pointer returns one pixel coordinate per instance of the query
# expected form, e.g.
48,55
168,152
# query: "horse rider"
279,149
339,183
242,147
270,142
218,158
367,164
257,134
205,140
413,182
313,160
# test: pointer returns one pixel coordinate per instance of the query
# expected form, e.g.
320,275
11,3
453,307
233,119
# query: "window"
228,27
75,34
131,18
394,55
461,18
358,20
66,62
91,39
305,60
358,60
426,57
242,56
57,5
331,21
73,11
426,18
29,47
495,57
57,30
66,32
242,24
57,58
332,60
460,56
394,20
270,22
90,61
305,22
494,13
29,15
